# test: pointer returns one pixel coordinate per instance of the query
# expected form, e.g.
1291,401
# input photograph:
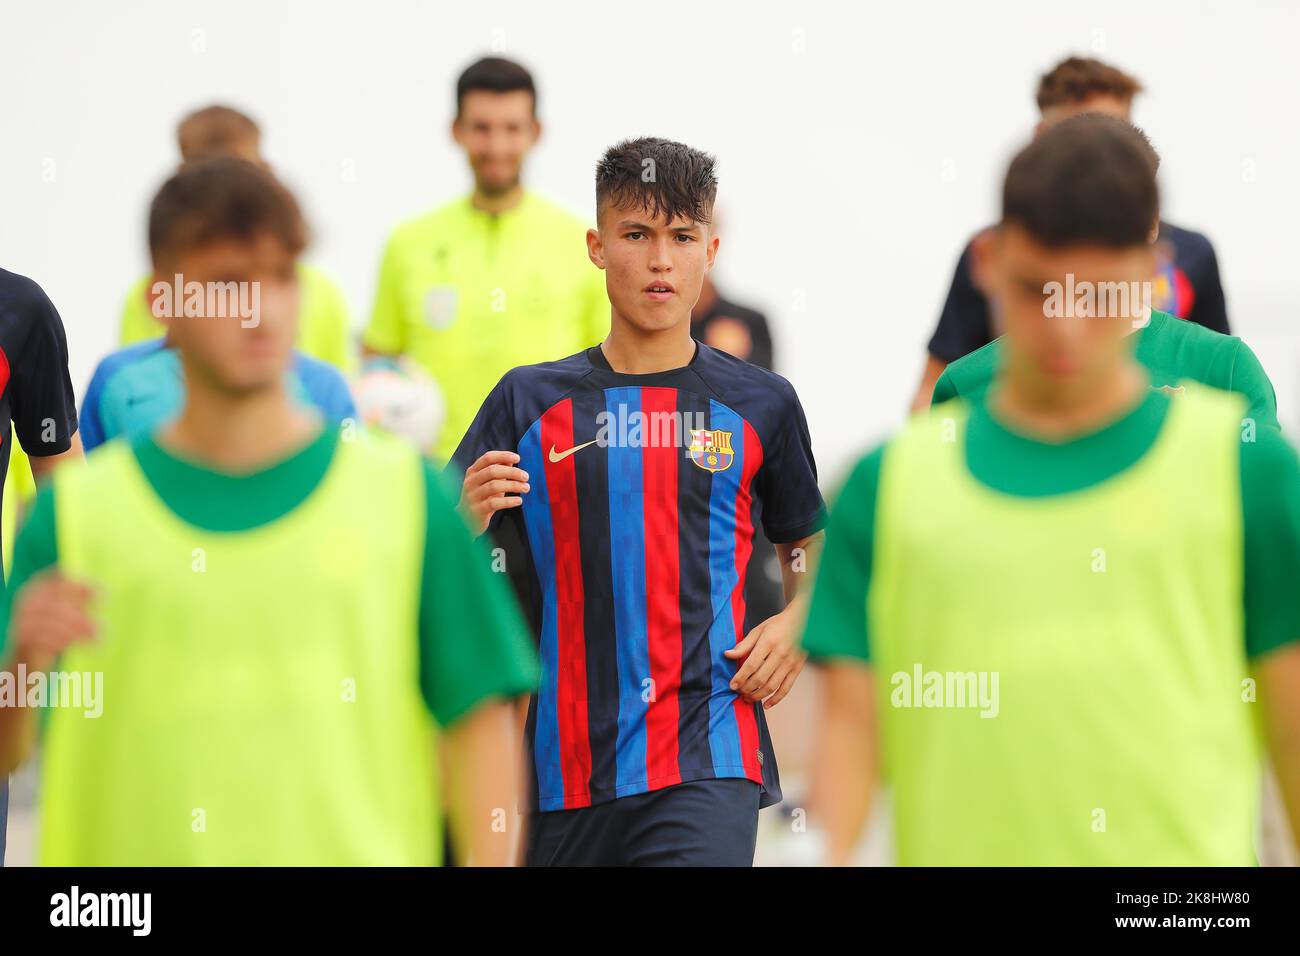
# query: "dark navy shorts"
698,823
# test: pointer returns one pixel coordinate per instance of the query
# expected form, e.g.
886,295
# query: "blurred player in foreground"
637,469
1058,617
275,640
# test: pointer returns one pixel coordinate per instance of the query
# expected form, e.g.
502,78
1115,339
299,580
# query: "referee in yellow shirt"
492,280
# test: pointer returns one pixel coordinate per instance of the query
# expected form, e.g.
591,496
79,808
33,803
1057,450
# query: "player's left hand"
772,660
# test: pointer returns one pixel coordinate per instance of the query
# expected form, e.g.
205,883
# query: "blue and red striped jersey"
629,554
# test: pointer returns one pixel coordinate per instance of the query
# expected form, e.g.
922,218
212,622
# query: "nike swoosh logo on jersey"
565,454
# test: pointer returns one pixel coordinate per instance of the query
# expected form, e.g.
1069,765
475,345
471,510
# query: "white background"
859,145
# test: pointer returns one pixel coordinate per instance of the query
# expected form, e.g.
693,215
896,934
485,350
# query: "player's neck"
634,351
495,203
239,433
1060,414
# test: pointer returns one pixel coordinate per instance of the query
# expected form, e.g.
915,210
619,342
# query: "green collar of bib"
1017,464
219,501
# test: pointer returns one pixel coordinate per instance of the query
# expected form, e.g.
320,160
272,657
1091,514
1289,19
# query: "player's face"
496,130
654,267
1099,103
1066,313
243,340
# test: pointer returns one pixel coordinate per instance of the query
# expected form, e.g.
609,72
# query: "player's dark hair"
659,176
1079,78
214,131
222,198
495,75
1088,179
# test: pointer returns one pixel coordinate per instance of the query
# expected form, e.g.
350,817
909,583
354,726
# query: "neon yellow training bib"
1060,679
261,696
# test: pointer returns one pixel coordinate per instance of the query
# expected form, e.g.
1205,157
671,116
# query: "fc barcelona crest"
711,450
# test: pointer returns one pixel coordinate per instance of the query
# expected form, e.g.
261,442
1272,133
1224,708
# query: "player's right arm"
50,613
476,660
1270,491
1279,692
844,768
837,640
491,484
484,465
484,779
42,612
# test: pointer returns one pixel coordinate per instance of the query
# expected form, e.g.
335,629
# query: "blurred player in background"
1058,616
1167,347
648,734
494,279
324,625
324,328
1186,282
36,397
735,329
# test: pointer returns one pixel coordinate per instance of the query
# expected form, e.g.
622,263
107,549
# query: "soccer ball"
400,398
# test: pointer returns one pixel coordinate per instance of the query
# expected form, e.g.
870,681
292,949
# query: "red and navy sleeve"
511,408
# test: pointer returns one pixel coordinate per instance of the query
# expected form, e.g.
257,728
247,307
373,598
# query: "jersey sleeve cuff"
62,442
447,716
831,656
797,532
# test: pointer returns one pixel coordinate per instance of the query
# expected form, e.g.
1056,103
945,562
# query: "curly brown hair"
1078,78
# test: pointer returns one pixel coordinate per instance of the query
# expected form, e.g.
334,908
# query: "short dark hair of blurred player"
494,279
1186,277
274,640
325,327
637,469
1060,617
